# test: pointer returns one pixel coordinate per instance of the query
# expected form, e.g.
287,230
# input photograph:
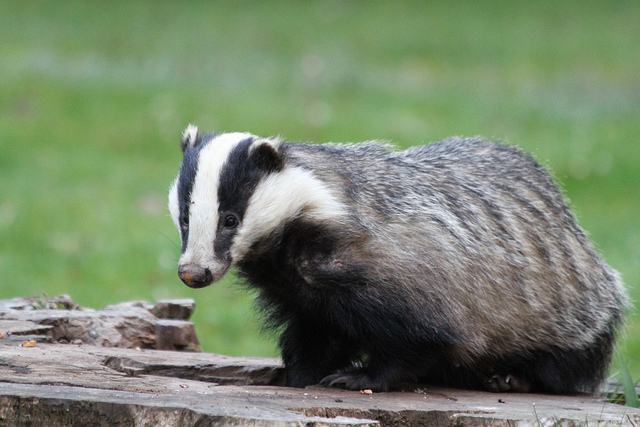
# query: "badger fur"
456,263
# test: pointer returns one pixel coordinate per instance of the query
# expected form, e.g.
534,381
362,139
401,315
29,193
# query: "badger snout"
194,275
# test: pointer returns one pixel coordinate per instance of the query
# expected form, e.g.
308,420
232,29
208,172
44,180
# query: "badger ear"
266,155
190,137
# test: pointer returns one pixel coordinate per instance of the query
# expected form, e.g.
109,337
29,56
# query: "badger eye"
230,221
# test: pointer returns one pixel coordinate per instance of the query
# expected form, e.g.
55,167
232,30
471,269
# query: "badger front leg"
310,353
388,366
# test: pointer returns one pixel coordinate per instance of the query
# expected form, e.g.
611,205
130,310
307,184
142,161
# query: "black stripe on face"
186,179
239,178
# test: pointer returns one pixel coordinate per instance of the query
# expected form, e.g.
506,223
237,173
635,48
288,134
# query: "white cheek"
280,197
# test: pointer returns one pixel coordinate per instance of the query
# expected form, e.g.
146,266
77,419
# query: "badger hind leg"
555,370
580,370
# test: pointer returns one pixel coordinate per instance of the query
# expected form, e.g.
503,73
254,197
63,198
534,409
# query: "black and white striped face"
232,189
208,202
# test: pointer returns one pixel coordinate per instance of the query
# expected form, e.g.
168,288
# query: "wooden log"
22,327
60,302
54,384
95,380
126,325
176,335
177,309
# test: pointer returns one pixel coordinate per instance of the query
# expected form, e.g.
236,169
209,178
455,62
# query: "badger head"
231,190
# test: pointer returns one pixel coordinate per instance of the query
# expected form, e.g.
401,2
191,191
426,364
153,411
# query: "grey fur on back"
479,230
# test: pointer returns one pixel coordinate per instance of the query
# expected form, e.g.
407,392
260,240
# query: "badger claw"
352,381
507,383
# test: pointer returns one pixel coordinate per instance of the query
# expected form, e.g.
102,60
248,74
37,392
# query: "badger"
456,263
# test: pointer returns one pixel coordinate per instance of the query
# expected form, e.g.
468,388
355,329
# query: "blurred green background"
94,95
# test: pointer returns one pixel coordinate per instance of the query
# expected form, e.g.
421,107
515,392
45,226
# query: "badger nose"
195,276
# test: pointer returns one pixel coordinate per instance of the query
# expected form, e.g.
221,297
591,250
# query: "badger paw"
507,383
353,381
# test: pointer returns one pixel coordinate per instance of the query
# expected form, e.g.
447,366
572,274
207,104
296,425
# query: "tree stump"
107,371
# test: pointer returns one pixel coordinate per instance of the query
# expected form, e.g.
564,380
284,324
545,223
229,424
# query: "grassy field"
93,97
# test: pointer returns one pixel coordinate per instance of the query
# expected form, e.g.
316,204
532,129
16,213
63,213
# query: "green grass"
628,385
93,97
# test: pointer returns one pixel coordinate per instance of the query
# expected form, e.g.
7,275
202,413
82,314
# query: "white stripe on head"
174,204
203,211
283,196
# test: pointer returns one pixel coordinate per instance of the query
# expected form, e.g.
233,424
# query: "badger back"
481,228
